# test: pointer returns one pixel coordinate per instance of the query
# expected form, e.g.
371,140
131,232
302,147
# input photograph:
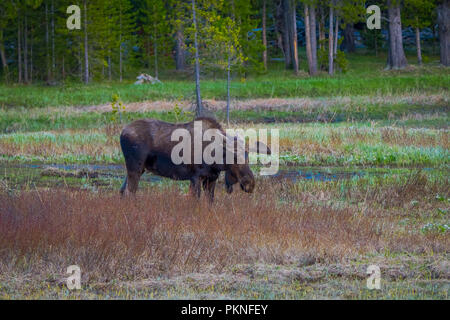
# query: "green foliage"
247,17
155,41
351,11
225,30
322,54
180,115
442,198
118,108
365,77
372,38
340,60
418,13
435,228
126,36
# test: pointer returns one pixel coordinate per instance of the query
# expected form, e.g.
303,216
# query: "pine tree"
418,14
443,18
223,44
247,19
155,27
351,12
7,14
309,16
396,56
125,26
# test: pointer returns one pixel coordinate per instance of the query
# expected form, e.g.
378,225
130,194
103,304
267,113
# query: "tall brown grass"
333,142
163,232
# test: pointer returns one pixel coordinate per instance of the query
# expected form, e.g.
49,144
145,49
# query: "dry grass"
404,137
165,233
67,142
280,103
292,104
318,144
111,238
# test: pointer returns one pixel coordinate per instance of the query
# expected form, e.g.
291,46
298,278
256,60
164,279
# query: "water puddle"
118,172
317,174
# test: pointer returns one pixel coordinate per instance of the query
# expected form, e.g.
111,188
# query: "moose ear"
260,148
233,144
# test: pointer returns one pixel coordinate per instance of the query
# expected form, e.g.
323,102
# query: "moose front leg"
209,186
195,187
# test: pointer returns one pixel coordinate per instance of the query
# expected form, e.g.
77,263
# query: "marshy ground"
363,180
290,239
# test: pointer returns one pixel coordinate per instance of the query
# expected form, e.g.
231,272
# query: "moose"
147,145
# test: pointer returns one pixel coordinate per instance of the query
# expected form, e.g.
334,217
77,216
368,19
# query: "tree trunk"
228,89
293,28
3,58
435,38
419,50
443,13
155,51
156,59
283,28
349,38
321,27
308,38
336,36
286,35
53,40
330,43
31,55
109,66
397,59
19,48
179,51
47,44
278,33
148,51
120,44
80,58
313,36
197,64
25,49
264,35
86,53
376,42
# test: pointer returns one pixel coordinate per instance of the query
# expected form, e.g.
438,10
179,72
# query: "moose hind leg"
209,187
195,187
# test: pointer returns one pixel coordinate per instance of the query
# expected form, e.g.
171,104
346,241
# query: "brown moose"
146,145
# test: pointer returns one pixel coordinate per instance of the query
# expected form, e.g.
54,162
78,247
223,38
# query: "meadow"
365,77
364,180
308,239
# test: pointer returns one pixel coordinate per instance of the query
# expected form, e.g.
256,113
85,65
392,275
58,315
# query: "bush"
340,60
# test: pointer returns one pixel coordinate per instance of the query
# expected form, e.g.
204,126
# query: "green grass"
100,93
311,144
366,77
23,120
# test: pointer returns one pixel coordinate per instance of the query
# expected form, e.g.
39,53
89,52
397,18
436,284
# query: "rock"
146,78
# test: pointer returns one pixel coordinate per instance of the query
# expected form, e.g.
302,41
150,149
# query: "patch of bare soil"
56,172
